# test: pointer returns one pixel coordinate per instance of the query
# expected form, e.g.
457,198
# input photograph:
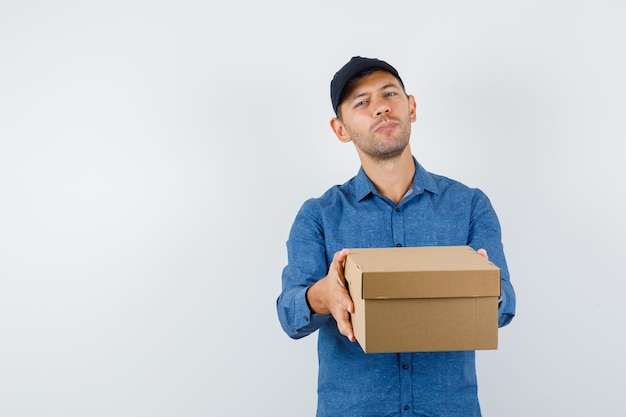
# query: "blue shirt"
436,211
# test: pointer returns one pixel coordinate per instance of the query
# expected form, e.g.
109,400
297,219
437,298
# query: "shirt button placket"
397,226
406,391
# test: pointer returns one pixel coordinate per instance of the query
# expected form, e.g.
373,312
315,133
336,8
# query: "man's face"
376,115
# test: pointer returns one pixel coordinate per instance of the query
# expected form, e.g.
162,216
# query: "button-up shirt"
436,211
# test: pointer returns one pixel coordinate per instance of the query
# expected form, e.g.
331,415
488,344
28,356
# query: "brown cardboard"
423,299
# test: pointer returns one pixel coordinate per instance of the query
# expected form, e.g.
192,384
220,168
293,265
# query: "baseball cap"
356,66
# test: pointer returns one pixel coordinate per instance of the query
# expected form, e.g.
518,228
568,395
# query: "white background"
154,154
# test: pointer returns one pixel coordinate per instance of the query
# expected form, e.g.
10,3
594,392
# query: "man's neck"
392,177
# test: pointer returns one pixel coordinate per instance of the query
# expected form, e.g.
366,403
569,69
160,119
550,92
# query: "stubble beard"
383,150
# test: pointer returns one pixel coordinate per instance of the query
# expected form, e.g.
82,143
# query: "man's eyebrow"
356,96
390,85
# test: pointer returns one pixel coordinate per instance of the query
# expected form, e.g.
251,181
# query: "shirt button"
406,408
405,366
397,209
399,245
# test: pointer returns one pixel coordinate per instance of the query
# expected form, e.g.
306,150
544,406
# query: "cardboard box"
423,299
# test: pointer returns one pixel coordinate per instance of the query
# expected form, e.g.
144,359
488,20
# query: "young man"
392,201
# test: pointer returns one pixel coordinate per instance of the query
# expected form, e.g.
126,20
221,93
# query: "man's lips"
385,126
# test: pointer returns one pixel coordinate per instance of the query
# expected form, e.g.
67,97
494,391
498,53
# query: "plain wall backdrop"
153,156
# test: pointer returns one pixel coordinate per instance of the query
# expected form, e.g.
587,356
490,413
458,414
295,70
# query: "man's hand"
483,252
330,296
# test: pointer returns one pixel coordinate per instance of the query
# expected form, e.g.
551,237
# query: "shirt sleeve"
306,264
485,233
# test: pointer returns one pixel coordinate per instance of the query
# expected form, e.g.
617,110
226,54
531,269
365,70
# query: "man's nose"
381,107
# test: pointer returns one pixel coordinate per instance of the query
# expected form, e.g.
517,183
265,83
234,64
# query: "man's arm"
485,234
304,306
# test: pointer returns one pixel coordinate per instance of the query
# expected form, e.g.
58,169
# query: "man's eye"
391,93
361,103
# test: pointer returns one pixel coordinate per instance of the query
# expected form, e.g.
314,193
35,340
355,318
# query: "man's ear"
412,108
340,130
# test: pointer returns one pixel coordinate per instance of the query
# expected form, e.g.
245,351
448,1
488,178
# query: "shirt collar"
422,181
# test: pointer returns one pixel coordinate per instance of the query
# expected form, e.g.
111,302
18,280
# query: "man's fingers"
340,256
337,265
343,302
350,306
483,253
345,326
341,312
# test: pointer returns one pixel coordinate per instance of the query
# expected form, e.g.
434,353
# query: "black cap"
355,67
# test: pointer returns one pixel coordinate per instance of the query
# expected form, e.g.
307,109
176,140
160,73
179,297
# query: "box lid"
425,272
